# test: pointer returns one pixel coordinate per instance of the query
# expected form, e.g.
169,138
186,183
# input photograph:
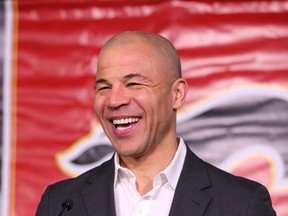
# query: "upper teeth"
125,120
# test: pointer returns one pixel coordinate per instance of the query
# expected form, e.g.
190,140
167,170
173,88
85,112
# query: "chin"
127,152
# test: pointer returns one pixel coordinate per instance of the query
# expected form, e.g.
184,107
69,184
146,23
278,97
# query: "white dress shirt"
128,201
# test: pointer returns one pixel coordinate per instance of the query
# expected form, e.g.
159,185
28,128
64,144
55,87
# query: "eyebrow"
133,75
99,81
126,77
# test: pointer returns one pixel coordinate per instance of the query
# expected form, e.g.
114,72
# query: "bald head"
163,48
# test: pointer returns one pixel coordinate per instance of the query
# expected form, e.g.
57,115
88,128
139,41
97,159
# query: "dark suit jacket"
202,190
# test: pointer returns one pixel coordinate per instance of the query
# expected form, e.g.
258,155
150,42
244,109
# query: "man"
138,90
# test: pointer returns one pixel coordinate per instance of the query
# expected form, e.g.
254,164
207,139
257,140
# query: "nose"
118,97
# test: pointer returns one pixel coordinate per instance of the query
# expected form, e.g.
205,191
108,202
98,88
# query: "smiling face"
136,99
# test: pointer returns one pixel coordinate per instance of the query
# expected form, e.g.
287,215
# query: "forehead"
126,51
127,58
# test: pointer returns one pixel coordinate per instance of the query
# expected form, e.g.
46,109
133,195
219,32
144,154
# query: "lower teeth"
123,127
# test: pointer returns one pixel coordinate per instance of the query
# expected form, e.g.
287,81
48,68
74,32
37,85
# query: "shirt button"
140,210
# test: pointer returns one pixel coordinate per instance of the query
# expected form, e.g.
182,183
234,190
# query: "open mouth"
124,123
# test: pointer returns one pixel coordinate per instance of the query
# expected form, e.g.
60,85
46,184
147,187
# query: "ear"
180,88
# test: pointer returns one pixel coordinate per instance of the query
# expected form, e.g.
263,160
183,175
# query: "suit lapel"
98,196
190,197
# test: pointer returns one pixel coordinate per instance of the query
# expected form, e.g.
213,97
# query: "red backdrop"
225,47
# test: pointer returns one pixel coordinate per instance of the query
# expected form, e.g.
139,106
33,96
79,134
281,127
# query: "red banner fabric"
233,53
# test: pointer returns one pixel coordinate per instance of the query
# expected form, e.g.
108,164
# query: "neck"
147,167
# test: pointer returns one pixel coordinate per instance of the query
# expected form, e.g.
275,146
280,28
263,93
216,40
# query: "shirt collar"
172,171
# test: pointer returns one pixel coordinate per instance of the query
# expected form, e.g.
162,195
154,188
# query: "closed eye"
99,89
133,84
103,88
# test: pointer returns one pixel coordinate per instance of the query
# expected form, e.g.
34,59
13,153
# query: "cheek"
165,102
158,106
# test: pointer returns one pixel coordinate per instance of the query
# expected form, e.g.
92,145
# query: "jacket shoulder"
77,183
238,192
